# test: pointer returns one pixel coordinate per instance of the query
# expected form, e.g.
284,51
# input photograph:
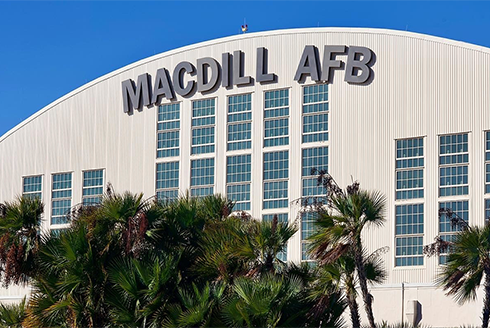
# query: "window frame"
409,235
312,114
64,224
246,203
83,187
228,123
275,180
203,127
28,194
276,118
202,186
168,189
179,103
453,165
412,169
442,256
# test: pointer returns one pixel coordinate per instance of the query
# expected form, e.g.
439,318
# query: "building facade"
249,116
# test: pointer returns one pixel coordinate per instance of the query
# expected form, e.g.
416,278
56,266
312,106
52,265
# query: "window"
487,162
93,187
447,230
32,186
61,198
315,113
281,218
410,168
240,122
276,118
313,158
409,235
453,165
202,177
238,177
168,130
276,174
307,230
203,120
167,184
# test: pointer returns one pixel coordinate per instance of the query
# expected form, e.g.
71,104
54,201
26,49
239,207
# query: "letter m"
132,93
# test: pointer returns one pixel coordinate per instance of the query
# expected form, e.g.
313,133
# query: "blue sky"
51,48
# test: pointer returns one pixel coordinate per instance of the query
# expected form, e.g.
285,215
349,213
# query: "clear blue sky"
50,48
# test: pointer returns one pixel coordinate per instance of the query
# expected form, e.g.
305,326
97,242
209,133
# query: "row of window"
239,119
453,181
238,177
61,191
409,218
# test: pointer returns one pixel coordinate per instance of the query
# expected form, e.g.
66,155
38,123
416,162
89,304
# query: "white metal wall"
423,86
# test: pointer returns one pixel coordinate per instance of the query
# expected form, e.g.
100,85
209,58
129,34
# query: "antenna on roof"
244,26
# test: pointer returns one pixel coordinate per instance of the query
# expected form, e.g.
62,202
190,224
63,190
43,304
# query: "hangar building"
248,116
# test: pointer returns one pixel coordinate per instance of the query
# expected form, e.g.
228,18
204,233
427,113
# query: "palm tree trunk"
361,273
353,307
486,301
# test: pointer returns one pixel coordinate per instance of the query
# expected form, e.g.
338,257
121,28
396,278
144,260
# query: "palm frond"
467,263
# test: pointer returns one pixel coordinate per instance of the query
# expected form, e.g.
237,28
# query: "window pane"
168,130
276,114
203,129
93,187
61,198
167,184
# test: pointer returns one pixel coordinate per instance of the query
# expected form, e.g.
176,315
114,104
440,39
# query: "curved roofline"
244,36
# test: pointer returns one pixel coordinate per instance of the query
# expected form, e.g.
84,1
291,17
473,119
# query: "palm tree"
467,264
141,289
132,262
120,222
12,315
239,246
69,289
267,239
339,231
283,300
197,307
180,228
19,242
222,256
336,276
341,275
268,301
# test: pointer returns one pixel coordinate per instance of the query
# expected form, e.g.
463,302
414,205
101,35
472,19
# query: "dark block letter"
178,77
354,64
162,86
239,69
204,81
262,67
132,93
329,62
308,65
225,80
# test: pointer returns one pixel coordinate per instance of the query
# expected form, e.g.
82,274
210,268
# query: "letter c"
178,77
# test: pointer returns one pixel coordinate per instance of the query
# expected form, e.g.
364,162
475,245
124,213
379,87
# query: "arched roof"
376,31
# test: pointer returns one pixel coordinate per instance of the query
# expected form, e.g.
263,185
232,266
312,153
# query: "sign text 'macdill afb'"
209,74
